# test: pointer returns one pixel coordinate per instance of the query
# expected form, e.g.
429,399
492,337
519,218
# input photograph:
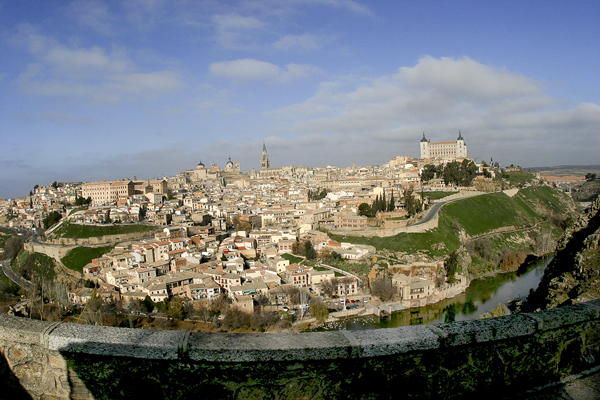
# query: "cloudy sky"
100,89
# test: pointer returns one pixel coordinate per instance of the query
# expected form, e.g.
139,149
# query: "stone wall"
500,356
384,232
103,239
56,253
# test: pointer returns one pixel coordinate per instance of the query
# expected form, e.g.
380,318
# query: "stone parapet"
499,355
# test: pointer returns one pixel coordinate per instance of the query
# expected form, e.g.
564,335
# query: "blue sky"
98,89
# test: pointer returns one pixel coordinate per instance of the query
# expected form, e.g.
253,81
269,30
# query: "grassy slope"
72,231
476,215
292,259
79,257
436,195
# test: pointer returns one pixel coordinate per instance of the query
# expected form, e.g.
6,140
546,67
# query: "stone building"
104,192
450,150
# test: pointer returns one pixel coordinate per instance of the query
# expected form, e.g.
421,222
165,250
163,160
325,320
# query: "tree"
318,195
468,170
412,205
328,286
318,309
365,210
383,288
298,248
451,266
12,247
176,308
429,172
309,251
590,176
80,201
51,219
392,204
451,174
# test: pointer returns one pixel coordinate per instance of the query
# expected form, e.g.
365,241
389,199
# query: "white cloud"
350,5
498,111
304,42
244,69
250,69
89,73
466,77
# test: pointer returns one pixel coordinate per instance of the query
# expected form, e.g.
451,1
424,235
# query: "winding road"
6,268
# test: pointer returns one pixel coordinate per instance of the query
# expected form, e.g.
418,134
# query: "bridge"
495,357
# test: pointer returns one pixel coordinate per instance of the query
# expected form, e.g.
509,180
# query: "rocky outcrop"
573,276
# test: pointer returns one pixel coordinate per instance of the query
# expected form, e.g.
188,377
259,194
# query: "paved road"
6,268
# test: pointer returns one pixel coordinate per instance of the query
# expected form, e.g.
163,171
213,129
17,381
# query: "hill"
567,170
484,229
573,276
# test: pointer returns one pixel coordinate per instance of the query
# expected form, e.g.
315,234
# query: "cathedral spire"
264,158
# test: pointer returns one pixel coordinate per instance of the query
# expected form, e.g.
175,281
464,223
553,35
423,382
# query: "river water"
480,297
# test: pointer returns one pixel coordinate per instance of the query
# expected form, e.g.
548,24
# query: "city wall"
102,239
56,253
498,357
383,232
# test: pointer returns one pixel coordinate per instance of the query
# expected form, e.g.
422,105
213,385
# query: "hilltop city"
267,239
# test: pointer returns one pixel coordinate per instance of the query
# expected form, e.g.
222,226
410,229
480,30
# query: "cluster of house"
195,257
202,268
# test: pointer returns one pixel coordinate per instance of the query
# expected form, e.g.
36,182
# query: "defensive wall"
417,227
122,237
54,252
494,357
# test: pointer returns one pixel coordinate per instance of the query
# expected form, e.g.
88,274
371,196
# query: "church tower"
461,147
264,158
424,147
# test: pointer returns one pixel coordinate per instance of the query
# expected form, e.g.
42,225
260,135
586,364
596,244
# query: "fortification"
500,356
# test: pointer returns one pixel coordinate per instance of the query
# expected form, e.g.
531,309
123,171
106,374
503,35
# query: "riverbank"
482,295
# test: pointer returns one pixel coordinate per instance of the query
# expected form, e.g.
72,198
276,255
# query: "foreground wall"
497,356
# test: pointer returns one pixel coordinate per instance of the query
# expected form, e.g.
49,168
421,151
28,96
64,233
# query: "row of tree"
454,173
412,204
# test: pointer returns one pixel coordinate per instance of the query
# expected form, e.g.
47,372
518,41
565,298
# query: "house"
244,303
345,286
413,291
80,295
298,275
317,277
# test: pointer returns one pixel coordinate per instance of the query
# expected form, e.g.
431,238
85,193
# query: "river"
480,297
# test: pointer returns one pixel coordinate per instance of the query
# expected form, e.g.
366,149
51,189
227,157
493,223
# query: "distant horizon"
591,167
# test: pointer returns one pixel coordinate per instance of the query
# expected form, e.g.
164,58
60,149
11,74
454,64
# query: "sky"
95,90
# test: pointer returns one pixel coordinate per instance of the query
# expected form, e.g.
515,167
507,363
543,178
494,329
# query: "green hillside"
79,257
531,207
73,231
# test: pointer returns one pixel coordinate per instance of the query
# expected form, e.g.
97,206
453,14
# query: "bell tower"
264,158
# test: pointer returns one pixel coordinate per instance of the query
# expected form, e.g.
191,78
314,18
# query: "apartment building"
106,192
